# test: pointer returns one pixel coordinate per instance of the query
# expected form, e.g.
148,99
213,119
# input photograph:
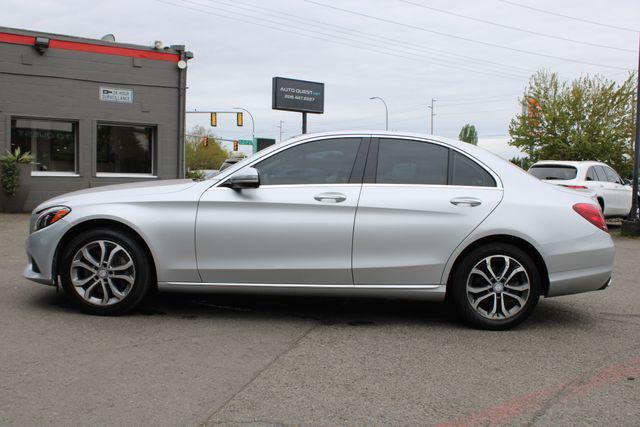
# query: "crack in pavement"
294,344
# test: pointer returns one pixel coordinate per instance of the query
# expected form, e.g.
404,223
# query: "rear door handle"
470,201
330,197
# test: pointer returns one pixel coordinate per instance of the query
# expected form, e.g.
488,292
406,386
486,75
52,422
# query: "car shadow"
345,311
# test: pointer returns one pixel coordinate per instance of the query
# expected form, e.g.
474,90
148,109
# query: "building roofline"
102,46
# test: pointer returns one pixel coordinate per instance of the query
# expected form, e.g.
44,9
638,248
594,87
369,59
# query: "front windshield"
553,172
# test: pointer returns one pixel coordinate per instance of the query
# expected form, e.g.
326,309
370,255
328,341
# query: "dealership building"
91,112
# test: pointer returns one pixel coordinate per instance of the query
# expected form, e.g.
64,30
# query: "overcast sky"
406,52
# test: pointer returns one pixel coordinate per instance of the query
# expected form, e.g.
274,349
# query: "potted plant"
15,173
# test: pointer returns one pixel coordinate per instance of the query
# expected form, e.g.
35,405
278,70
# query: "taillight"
591,213
576,187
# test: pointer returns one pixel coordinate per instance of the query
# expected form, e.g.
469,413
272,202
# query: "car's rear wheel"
105,272
496,286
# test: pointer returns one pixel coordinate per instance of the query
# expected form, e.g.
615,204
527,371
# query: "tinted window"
612,176
465,171
553,172
402,161
602,176
51,142
328,161
124,149
591,174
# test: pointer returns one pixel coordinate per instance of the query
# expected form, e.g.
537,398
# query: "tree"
469,134
590,118
522,162
203,154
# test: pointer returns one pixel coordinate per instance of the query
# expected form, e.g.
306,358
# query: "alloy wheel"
498,287
102,272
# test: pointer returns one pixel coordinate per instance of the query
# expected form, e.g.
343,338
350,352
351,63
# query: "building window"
52,143
125,149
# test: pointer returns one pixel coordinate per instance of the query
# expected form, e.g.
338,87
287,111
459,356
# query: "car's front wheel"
105,272
496,286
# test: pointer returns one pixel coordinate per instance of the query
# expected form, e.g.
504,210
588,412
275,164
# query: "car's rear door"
296,228
418,202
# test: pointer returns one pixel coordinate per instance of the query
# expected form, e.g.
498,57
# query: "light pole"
386,109
253,122
432,113
280,126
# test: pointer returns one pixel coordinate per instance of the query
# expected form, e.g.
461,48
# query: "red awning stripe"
91,48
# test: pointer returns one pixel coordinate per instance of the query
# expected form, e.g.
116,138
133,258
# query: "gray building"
92,112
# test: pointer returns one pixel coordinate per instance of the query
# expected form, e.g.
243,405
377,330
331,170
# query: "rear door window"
612,176
465,171
591,174
553,172
403,161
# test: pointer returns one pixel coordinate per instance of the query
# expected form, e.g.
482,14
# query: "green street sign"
245,142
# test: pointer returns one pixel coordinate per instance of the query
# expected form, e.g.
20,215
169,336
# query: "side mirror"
245,178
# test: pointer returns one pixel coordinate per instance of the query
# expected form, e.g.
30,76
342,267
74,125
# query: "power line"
358,44
370,36
440,33
548,12
536,33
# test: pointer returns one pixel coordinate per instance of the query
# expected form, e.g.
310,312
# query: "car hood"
119,192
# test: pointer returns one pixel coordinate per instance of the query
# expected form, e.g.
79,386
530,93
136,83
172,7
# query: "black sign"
297,95
262,143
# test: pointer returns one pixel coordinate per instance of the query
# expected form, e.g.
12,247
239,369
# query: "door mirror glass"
245,178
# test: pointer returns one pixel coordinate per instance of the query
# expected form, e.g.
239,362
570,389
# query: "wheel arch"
509,239
101,223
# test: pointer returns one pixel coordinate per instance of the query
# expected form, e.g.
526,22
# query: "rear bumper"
574,282
587,267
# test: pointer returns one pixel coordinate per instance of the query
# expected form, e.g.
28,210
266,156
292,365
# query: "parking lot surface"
204,360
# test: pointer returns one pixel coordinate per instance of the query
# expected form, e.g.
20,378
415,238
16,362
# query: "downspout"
182,83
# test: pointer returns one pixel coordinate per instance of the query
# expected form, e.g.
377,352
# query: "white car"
611,192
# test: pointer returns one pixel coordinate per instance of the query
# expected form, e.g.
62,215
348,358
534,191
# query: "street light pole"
432,113
253,122
386,109
280,126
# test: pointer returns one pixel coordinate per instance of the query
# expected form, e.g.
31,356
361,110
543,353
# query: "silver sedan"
374,214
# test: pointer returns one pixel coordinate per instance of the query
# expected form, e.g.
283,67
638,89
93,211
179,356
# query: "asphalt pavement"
204,360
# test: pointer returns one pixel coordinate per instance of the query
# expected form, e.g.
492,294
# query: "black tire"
142,267
462,301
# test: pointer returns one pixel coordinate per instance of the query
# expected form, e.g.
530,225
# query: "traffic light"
239,119
214,119
205,141
235,145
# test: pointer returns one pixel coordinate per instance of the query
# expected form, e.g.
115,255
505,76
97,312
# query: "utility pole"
636,150
432,113
280,126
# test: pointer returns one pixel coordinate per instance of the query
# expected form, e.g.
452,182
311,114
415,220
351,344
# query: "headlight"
50,216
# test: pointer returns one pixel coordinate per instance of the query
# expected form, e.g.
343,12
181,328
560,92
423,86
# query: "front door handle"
470,201
330,197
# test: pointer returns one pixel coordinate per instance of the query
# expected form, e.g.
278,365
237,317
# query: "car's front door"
295,228
620,192
416,207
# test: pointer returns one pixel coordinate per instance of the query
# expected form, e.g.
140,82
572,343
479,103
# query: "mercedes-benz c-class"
352,213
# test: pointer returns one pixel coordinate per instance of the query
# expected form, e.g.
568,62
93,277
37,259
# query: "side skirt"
422,292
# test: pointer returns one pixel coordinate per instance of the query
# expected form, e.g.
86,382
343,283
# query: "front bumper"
41,251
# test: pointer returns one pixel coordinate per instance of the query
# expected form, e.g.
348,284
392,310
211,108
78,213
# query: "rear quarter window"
551,172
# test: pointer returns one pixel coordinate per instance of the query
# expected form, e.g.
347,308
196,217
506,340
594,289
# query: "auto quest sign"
298,95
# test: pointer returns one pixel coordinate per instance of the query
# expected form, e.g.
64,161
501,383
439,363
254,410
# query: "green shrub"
9,172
